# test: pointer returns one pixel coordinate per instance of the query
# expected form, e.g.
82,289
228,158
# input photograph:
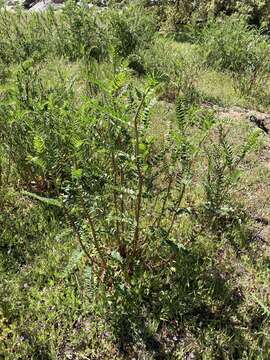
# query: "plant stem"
114,168
140,176
93,231
158,219
78,236
122,201
177,205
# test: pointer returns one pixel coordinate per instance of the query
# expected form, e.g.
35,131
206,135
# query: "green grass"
218,87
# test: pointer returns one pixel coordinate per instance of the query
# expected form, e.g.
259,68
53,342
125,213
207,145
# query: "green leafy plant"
223,174
132,28
125,200
34,123
230,44
177,73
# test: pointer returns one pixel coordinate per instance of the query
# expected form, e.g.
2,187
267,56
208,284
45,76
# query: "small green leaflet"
116,256
77,173
39,144
265,308
44,200
180,248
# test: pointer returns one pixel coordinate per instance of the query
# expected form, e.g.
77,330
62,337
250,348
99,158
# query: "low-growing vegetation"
133,156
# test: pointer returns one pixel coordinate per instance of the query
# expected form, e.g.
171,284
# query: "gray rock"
12,4
85,5
45,5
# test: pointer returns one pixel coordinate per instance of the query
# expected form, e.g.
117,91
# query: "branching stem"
140,175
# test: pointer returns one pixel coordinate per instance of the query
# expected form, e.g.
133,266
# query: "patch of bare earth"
238,113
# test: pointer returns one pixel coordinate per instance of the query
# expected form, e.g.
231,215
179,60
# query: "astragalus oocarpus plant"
129,198
126,195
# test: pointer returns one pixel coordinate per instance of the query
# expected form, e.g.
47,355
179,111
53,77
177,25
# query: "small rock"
190,356
45,5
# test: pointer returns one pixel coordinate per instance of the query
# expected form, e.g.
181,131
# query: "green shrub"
36,128
82,33
175,15
75,33
175,68
24,36
229,44
125,197
132,28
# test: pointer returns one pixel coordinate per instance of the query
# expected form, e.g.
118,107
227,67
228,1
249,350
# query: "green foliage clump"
35,127
229,44
171,66
75,33
81,33
23,36
132,28
126,199
177,14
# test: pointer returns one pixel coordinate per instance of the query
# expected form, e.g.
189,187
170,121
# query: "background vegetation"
134,196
